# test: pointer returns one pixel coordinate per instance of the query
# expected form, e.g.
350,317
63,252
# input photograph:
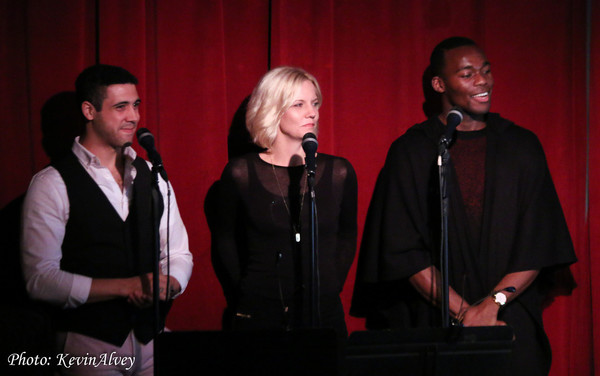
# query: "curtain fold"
198,60
593,214
14,101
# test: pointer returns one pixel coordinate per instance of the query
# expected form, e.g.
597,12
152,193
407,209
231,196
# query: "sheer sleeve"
345,178
226,253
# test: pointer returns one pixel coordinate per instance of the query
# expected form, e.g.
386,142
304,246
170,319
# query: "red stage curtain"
198,60
593,214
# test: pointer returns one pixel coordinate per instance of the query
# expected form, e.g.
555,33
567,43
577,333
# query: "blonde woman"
263,237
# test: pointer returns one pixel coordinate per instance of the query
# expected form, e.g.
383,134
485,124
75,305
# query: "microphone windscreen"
310,143
453,119
145,138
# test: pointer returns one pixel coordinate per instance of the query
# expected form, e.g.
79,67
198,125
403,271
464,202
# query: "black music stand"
264,352
463,351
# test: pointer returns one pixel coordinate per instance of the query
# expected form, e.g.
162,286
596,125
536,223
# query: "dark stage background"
198,60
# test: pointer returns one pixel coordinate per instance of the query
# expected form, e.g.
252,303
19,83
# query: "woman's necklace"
295,225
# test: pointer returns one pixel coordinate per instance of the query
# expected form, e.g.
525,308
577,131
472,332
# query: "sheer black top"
261,208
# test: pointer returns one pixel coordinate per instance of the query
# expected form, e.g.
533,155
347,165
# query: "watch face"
500,298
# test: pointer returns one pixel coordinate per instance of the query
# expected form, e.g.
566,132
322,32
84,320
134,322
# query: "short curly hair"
437,60
271,98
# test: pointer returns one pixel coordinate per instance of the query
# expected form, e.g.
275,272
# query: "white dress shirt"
45,215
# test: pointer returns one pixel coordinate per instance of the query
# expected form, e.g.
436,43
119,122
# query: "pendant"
297,237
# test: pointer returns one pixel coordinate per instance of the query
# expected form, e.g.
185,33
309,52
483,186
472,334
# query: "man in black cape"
507,232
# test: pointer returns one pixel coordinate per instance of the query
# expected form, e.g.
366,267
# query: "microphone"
146,140
453,120
309,144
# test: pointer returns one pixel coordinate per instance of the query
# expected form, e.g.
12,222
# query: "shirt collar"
88,159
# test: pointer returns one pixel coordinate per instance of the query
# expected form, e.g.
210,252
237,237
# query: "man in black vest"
88,236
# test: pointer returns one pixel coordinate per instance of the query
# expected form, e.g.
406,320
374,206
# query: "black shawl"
523,228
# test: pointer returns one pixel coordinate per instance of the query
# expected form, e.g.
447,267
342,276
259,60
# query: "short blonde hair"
271,98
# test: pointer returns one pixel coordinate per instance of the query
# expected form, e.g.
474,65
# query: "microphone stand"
443,173
314,265
146,140
157,208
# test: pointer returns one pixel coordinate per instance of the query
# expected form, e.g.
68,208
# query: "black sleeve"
397,240
346,242
540,209
226,255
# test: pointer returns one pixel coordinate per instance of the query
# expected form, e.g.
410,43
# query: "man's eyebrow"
122,103
486,64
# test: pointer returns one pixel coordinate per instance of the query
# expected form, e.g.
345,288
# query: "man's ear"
88,110
438,84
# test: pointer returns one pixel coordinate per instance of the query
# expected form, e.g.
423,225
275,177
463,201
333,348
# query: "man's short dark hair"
438,56
91,84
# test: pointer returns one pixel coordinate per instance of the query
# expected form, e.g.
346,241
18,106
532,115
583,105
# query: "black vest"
99,244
